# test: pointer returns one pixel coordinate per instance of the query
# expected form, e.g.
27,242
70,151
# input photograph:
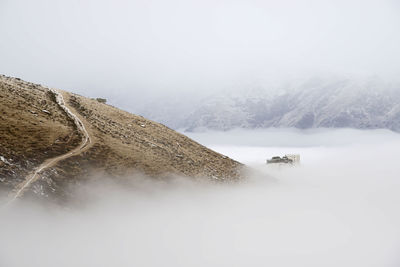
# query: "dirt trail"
86,143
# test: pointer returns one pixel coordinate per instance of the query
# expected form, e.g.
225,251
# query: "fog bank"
339,208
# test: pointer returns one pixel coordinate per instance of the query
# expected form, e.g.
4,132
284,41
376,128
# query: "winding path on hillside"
86,143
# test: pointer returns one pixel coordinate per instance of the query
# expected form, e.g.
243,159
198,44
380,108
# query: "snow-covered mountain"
317,102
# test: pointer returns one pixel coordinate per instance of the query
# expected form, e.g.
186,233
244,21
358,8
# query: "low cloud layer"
339,208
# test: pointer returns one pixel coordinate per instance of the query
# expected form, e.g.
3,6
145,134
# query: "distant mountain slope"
34,128
333,103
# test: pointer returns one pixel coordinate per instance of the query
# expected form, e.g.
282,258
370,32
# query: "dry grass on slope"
125,144
32,129
153,147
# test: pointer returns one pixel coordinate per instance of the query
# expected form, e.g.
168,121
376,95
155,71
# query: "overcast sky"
111,47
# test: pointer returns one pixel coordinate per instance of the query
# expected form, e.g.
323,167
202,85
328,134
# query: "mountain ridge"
314,103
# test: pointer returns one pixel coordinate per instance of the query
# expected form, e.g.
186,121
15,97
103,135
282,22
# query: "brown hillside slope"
122,143
32,129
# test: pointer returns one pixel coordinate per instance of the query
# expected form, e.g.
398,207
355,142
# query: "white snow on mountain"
319,102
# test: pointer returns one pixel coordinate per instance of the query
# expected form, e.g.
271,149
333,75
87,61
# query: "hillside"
34,128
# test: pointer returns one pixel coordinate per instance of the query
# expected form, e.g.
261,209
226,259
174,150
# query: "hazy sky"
125,47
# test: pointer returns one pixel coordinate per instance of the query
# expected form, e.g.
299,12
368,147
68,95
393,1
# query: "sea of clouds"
339,207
